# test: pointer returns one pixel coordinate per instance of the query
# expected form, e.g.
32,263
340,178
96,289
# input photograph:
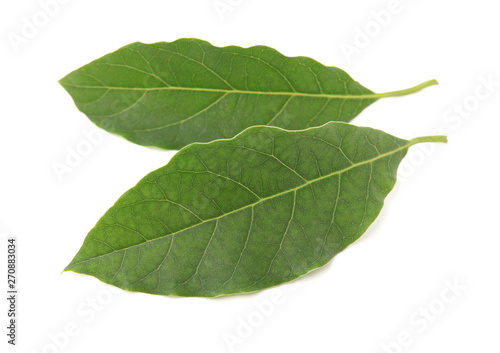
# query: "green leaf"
239,215
169,95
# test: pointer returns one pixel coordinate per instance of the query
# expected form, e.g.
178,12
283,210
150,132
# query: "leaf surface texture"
169,95
239,215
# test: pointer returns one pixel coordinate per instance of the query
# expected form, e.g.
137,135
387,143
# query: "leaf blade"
244,214
167,94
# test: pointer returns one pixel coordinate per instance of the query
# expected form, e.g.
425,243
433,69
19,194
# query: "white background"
439,224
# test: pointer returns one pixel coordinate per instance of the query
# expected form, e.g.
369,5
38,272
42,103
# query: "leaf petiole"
407,91
423,139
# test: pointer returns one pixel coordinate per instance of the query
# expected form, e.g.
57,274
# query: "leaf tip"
62,81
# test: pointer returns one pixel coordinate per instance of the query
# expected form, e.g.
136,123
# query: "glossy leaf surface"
169,95
239,215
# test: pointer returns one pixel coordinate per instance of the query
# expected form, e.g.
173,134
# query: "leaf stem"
436,138
404,92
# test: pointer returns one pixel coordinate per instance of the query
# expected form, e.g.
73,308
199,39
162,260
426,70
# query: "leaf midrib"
352,166
235,91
